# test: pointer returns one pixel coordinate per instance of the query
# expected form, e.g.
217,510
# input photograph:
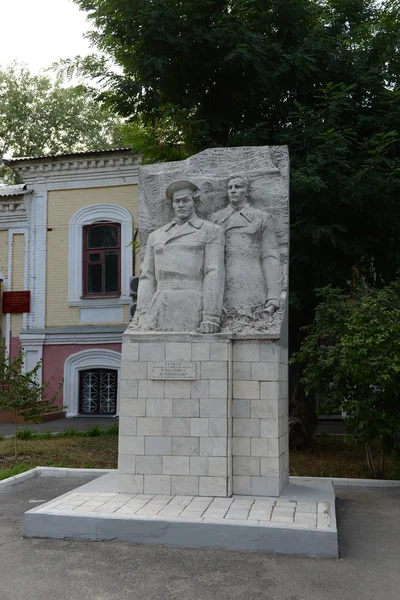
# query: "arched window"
98,392
102,260
101,216
104,397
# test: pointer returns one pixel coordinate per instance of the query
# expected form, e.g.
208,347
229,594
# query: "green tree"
229,70
352,358
319,75
344,201
39,117
20,392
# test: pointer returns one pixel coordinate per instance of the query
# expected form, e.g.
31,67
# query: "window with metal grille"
102,259
98,392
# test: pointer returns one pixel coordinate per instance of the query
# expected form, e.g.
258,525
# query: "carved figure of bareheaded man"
253,272
182,281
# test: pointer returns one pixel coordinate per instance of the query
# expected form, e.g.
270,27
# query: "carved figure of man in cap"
182,281
253,273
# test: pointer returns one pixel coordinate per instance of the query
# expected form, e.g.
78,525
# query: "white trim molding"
95,358
36,260
33,354
83,335
8,287
86,216
8,284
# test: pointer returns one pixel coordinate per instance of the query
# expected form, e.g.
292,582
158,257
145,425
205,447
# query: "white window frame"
96,213
95,358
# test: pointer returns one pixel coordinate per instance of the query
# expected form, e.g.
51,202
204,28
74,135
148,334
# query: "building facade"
65,237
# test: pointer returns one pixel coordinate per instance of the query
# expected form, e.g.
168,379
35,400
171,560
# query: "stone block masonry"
260,442
216,425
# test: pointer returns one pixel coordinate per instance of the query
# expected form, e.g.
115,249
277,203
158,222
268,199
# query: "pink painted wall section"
14,345
54,358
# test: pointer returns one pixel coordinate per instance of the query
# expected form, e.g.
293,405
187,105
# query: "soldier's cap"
181,184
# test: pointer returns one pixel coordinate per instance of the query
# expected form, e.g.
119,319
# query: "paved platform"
302,521
369,567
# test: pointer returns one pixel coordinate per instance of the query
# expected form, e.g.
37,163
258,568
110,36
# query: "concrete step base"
301,521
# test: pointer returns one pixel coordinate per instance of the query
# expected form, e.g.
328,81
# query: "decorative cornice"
16,216
13,203
86,335
97,165
83,339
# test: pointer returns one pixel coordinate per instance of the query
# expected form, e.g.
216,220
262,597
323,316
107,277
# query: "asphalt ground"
41,569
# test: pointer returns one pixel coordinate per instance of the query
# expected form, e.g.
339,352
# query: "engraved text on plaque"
173,370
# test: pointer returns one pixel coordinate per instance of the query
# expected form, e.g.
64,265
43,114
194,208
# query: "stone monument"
204,400
204,394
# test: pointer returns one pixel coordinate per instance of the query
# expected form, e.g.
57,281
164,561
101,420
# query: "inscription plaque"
173,370
16,302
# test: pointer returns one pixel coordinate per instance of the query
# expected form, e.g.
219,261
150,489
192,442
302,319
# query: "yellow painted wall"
62,205
4,270
17,277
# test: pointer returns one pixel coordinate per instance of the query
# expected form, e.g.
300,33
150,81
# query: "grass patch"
15,470
84,452
332,456
94,431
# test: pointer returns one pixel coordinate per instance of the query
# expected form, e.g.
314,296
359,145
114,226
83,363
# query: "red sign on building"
16,302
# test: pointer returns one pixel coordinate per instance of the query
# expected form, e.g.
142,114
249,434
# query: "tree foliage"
39,117
20,392
234,69
320,75
352,358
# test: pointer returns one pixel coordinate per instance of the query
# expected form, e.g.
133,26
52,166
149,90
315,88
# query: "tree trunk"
15,435
302,408
370,460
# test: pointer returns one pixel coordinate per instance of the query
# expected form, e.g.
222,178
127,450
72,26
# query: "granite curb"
51,472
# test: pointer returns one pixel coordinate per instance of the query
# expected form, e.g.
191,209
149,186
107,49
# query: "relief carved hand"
209,327
271,307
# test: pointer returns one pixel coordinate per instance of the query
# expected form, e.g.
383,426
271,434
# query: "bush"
70,433
112,430
25,434
352,361
94,431
20,392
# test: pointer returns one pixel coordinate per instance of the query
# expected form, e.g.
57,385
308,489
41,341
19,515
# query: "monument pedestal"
203,455
203,415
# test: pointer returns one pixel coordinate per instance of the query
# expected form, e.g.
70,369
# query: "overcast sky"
39,32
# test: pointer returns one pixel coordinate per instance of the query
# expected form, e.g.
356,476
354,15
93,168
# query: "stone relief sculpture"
253,273
182,279
245,192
